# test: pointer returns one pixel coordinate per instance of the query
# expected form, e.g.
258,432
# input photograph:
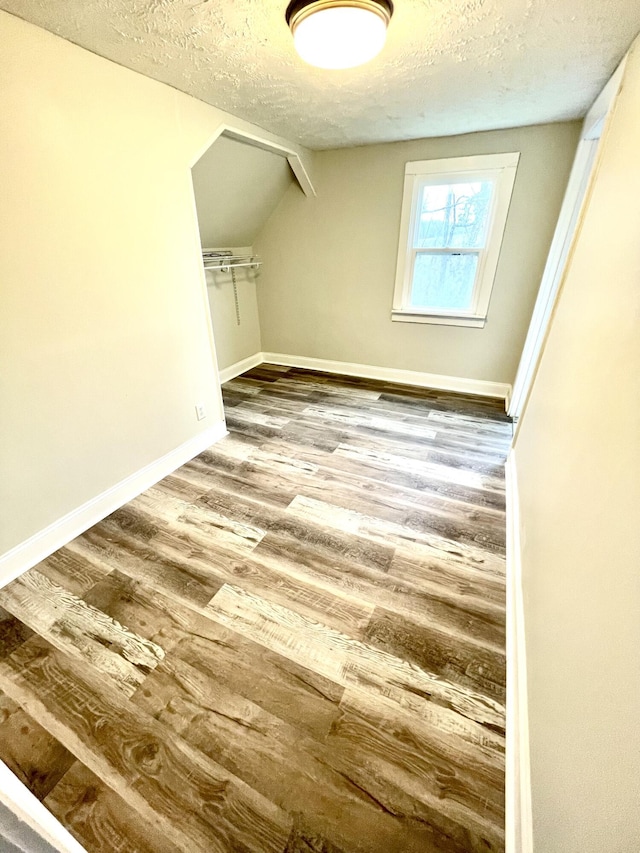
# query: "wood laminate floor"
293,644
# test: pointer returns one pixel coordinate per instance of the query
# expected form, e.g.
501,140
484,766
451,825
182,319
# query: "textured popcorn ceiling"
449,66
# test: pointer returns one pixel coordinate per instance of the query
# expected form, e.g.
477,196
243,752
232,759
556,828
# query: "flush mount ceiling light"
338,33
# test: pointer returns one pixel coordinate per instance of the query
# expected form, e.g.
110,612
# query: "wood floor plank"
374,423
404,763
429,511
434,471
456,458
331,389
189,580
232,398
353,549
100,819
243,385
280,686
249,416
218,547
467,488
445,517
275,759
450,580
407,426
365,586
196,803
36,757
384,530
304,840
345,660
267,580
13,633
242,481
179,487
83,631
73,571
450,655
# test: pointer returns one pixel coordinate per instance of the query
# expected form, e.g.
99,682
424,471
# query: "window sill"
475,321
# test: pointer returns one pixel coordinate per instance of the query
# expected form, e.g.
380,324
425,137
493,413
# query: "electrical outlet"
200,411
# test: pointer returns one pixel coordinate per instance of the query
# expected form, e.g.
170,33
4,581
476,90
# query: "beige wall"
578,460
329,263
236,186
104,338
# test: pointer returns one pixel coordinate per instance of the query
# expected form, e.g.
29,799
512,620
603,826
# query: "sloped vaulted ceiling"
237,188
450,66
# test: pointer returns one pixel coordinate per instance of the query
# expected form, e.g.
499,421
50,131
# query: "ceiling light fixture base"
338,33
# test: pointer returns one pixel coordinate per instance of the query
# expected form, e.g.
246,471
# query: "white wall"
236,186
104,335
329,263
578,460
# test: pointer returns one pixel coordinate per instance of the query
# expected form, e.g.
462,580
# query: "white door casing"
584,166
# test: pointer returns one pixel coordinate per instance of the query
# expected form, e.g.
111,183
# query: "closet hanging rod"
223,261
225,267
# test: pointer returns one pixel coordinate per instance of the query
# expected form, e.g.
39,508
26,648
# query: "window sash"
446,311
486,176
500,170
492,175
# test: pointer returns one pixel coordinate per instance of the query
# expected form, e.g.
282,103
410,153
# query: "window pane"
443,281
454,215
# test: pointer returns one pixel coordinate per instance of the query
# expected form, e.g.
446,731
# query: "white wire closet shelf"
223,261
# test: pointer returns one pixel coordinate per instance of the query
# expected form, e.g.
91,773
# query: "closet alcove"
237,186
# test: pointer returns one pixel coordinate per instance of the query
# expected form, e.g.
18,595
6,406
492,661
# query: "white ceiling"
449,66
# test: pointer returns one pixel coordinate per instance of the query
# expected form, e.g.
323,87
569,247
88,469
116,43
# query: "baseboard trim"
458,384
30,552
240,366
519,825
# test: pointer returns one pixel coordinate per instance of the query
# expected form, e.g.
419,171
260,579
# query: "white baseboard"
240,366
27,554
519,825
458,384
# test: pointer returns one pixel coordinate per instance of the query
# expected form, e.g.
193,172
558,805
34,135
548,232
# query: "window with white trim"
454,213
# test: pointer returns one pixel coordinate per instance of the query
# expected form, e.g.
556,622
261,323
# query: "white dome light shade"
339,33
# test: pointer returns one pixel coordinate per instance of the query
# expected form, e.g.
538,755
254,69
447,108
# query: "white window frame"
500,168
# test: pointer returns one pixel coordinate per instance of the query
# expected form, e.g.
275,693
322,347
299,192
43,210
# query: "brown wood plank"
194,801
451,655
100,819
365,585
13,633
73,571
188,579
291,692
411,767
274,758
36,757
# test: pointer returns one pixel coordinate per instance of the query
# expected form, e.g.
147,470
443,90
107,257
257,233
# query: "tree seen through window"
452,216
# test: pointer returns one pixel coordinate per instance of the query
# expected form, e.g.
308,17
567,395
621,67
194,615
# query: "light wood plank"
83,631
345,660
